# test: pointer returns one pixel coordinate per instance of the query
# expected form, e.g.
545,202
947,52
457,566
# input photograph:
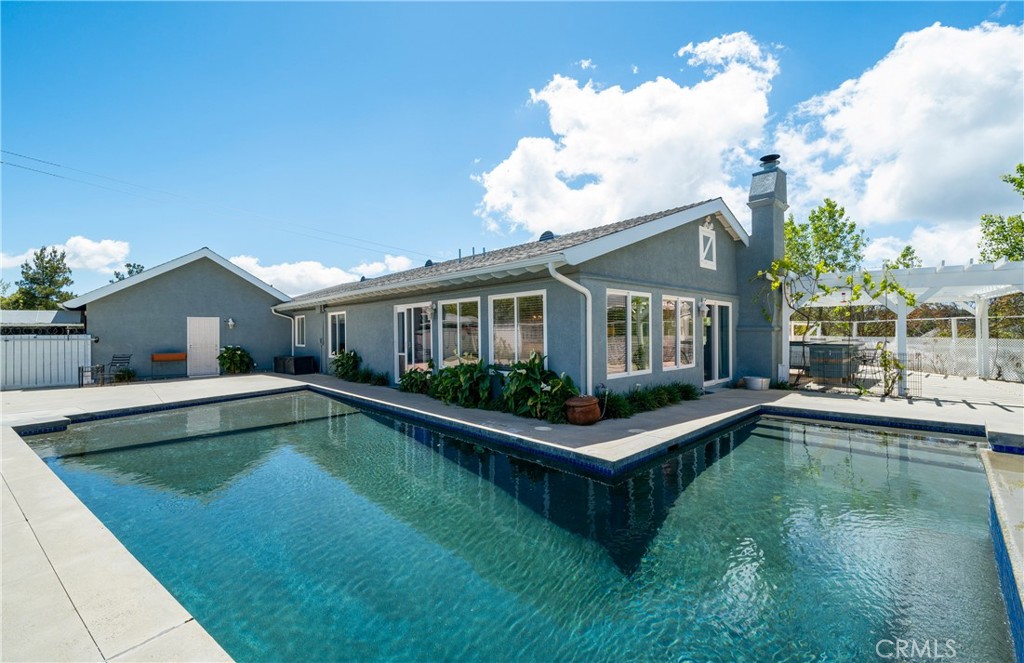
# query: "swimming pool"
296,527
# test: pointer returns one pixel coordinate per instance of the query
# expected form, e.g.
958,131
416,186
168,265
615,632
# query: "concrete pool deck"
71,591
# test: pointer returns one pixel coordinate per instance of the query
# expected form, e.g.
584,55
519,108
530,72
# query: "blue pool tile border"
971,430
1007,583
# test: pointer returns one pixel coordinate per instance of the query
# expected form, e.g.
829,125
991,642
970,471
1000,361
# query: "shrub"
689,392
530,390
416,381
617,406
124,375
345,365
467,384
365,375
645,399
234,359
381,379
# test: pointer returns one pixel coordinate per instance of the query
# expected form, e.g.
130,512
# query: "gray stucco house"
192,305
671,296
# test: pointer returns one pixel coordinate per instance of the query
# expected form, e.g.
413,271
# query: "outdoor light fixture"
231,323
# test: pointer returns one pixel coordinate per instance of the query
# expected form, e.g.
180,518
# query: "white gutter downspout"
561,278
291,325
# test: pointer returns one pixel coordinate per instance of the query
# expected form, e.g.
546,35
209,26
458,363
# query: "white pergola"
973,285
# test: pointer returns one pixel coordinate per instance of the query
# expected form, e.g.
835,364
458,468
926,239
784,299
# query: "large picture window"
517,327
300,330
460,331
677,333
629,333
336,331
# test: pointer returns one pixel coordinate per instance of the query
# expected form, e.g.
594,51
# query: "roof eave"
518,268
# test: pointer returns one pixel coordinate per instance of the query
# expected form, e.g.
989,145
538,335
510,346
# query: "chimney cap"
770,158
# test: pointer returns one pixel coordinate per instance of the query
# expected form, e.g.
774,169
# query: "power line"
276,223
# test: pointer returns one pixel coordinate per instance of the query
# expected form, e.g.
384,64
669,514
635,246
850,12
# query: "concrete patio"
71,591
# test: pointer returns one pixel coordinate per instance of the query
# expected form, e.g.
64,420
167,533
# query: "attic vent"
546,236
362,278
428,263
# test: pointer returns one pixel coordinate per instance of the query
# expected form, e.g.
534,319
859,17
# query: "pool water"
295,527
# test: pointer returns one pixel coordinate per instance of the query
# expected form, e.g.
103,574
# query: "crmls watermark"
902,650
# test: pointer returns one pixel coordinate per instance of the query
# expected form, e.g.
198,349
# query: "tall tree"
44,282
907,259
829,240
1004,237
131,269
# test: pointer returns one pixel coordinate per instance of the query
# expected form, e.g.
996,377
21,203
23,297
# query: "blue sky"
312,143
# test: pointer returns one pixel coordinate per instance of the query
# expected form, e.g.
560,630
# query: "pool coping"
184,638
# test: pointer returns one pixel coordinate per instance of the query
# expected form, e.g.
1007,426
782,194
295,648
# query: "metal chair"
117,363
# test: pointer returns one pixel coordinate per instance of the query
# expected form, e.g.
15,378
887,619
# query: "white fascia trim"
204,252
599,247
535,264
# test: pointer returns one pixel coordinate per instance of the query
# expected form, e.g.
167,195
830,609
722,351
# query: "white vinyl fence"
43,361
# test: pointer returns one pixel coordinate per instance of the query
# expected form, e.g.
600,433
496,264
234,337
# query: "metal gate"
44,361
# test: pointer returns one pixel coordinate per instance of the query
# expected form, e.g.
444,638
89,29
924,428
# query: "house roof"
110,289
531,257
41,319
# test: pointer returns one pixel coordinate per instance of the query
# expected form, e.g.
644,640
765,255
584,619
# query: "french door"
413,338
717,339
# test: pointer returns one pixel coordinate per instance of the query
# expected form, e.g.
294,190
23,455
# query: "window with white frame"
706,232
336,332
460,331
300,330
629,333
677,332
517,327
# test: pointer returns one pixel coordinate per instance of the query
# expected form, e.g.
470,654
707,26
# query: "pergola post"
786,314
901,341
981,341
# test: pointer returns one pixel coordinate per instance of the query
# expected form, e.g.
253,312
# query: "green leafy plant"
125,375
530,390
416,381
467,384
381,379
346,364
645,399
892,369
235,359
617,406
365,376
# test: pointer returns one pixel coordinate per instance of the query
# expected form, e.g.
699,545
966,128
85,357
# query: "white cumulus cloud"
295,278
103,256
923,135
616,153
587,64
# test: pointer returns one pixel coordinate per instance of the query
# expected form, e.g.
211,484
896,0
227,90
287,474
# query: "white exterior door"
203,346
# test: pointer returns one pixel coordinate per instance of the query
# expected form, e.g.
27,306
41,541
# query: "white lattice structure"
972,286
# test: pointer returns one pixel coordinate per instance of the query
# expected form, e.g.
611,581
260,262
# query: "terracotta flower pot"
582,410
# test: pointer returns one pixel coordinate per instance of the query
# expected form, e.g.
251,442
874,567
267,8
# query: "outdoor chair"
119,362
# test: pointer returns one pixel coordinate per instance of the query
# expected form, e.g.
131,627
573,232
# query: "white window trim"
712,246
303,319
440,326
330,331
629,350
490,324
695,314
